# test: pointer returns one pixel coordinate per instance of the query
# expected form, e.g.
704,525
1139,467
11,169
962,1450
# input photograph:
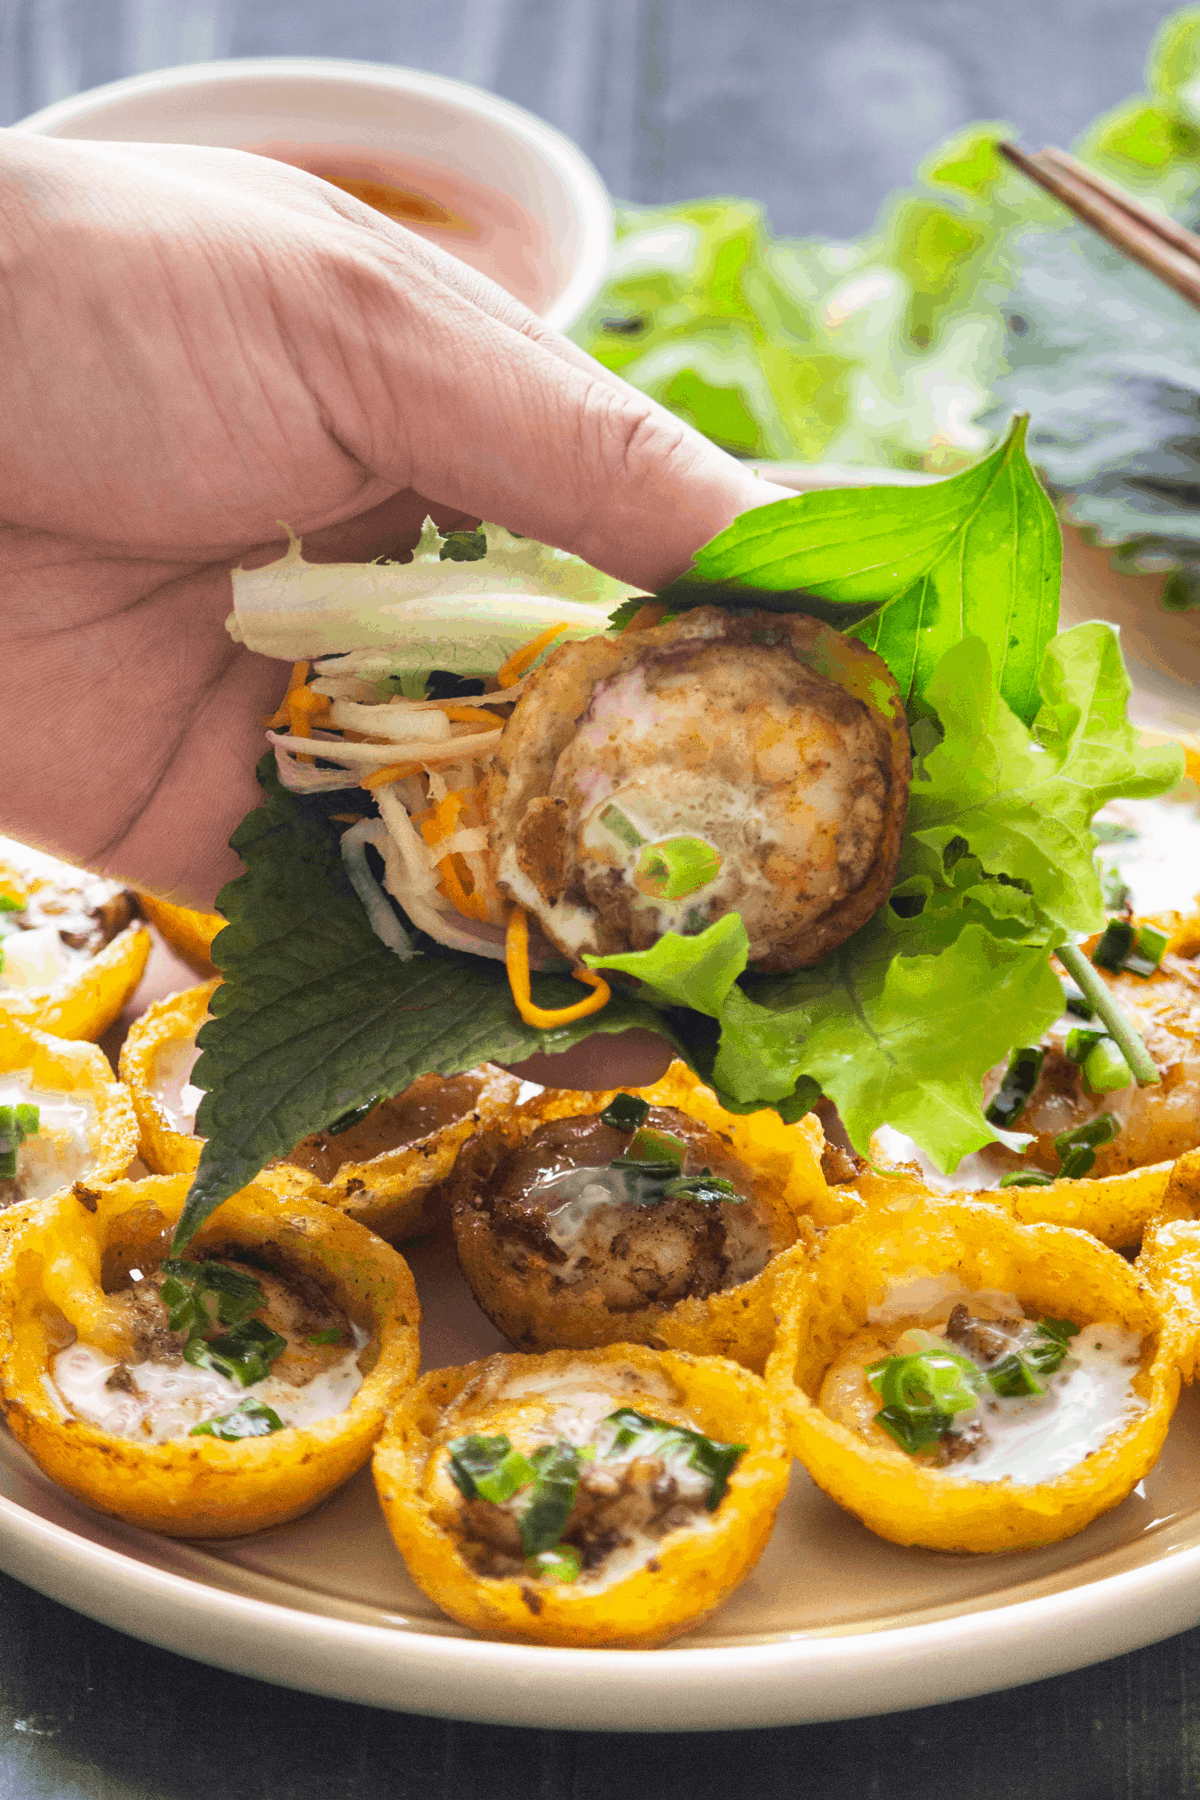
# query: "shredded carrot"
514,666
516,959
303,706
440,820
471,905
393,772
277,720
471,715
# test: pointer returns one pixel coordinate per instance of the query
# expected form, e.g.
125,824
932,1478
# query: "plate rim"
806,1679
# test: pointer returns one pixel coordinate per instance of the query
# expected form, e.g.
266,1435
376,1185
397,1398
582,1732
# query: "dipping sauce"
480,226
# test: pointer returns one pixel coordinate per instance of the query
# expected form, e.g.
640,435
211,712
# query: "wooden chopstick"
1166,249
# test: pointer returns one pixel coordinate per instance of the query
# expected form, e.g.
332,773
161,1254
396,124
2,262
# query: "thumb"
497,417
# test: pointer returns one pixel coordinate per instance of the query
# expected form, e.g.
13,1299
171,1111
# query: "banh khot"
203,1396
645,1216
64,1118
965,1382
383,1164
72,945
611,1496
823,787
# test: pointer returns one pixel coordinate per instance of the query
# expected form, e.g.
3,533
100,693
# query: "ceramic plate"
833,1623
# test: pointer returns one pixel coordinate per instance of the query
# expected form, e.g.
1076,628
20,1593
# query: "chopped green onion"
562,1564
348,1119
245,1354
1105,1006
676,867
652,1171
614,820
513,1472
462,546
1050,1344
1026,1178
1012,1378
1121,947
705,1187
927,1381
1116,941
708,1456
187,1285
1014,1092
650,1146
1105,1069
1080,1044
474,1458
625,1112
555,1483
332,1336
9,903
249,1419
16,1124
1077,1149
1076,1002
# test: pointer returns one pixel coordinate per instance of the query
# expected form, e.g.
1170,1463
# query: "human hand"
198,345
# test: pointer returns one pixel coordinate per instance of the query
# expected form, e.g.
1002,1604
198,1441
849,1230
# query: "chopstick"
1166,249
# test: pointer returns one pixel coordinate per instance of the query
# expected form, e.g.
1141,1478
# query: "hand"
201,344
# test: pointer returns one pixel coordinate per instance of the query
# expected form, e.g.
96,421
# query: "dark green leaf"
625,1112
316,1016
474,1458
556,1480
463,546
1016,1089
656,1437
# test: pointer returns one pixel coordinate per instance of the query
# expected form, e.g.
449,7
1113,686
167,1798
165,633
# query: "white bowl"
310,109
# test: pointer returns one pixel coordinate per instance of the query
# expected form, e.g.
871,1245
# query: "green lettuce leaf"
1022,799
316,1016
978,553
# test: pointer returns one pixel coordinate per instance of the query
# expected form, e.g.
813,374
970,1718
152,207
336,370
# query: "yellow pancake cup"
85,1003
693,1569
189,933
536,1310
163,1148
1053,1271
51,1270
77,1072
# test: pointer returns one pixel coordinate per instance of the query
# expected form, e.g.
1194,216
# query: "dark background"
818,110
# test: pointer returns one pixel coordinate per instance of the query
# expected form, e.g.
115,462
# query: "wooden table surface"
817,109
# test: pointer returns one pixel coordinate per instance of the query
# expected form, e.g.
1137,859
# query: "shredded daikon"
383,921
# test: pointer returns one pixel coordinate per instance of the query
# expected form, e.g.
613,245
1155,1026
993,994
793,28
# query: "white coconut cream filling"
171,1086
169,1398
60,1151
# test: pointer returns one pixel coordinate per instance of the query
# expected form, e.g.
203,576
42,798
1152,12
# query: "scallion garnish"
333,1336
1105,1007
705,1187
1013,1378
1080,1044
676,867
1026,1178
562,1564
1105,1069
1018,1374
16,1124
657,1147
9,904
657,1437
474,1458
249,1419
1076,1002
921,1393
190,1287
1138,950
462,546
622,828
625,1112
245,1354
1014,1092
555,1482
1077,1149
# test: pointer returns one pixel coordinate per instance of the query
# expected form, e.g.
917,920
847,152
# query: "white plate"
833,1623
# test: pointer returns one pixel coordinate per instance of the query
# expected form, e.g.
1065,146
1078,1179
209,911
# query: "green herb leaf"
675,868
563,1564
189,1286
249,1419
1024,801
472,1459
354,1116
932,559
316,1016
463,546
